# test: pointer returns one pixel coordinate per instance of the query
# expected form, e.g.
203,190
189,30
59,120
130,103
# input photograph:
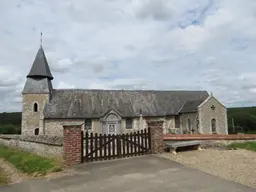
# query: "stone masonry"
72,145
156,130
206,114
43,145
31,119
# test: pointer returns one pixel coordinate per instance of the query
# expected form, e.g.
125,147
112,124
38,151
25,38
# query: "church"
45,110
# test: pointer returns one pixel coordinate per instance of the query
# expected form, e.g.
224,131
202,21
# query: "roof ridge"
131,90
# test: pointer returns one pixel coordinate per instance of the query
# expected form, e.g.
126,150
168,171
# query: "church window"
213,123
129,123
177,121
189,125
37,131
35,107
88,124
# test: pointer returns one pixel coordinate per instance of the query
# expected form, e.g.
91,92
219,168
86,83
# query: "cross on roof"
212,107
110,101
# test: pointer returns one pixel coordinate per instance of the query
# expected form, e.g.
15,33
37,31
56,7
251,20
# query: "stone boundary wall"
222,143
186,137
47,146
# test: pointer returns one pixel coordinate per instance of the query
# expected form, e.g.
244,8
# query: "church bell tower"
36,93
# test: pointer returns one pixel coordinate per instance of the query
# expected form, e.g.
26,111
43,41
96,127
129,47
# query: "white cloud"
62,65
8,77
148,44
154,9
63,85
120,84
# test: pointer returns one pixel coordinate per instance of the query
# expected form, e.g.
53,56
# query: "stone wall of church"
168,124
206,114
31,119
184,121
54,127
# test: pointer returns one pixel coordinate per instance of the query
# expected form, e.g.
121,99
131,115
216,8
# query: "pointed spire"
40,67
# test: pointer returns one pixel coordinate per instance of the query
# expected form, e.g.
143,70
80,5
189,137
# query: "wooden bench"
172,146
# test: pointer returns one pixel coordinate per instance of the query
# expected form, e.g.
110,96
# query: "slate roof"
40,67
78,103
191,106
38,85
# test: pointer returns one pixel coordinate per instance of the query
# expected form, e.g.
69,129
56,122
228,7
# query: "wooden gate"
98,147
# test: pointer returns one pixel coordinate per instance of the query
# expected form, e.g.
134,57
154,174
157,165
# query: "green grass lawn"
248,145
3,178
29,163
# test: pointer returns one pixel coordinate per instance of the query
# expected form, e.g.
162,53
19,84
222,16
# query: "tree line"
10,123
240,119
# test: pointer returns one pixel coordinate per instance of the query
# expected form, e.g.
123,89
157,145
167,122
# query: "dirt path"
14,175
235,165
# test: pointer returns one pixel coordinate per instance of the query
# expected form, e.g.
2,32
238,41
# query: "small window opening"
35,107
129,123
37,131
213,126
189,125
177,121
88,124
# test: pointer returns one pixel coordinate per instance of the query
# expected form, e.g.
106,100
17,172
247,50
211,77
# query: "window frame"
35,107
130,123
214,127
189,125
36,131
88,123
177,121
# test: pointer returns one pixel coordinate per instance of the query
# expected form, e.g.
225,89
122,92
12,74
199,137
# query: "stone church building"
45,110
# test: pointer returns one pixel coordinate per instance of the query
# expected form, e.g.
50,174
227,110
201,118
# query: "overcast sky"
132,44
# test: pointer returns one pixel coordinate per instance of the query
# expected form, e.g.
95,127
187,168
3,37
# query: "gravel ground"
235,165
3,177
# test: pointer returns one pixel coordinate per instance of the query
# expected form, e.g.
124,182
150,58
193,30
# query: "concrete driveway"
140,174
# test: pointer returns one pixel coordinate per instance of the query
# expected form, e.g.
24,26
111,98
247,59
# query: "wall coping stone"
209,137
45,139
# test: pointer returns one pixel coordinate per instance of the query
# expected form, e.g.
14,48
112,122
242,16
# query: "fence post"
72,148
119,154
155,129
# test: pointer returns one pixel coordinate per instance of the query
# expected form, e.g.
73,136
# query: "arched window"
35,107
213,123
37,131
189,125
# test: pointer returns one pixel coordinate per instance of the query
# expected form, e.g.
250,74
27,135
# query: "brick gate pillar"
156,130
72,146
